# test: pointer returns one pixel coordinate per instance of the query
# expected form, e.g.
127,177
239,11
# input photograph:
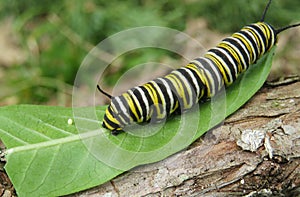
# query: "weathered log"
215,165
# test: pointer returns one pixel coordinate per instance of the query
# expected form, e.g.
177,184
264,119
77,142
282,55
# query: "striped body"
201,79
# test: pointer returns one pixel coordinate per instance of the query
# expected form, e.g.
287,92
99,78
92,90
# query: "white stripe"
189,89
252,48
122,107
169,91
236,50
145,100
254,39
222,63
161,95
217,73
260,37
208,74
245,50
137,102
194,81
230,59
272,35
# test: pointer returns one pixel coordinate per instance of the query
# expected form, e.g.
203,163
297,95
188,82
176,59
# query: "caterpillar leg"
116,132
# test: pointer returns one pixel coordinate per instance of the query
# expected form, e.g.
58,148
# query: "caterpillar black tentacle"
265,11
286,27
103,92
201,79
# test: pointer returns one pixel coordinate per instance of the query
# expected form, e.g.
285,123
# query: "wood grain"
215,165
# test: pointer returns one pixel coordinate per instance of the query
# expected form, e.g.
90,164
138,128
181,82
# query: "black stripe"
127,107
190,81
261,34
219,63
241,50
119,112
135,105
108,121
163,89
174,94
156,92
211,71
172,90
270,29
248,61
186,94
252,31
254,48
227,62
155,112
149,99
112,124
138,95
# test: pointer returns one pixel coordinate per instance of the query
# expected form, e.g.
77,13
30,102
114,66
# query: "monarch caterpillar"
199,80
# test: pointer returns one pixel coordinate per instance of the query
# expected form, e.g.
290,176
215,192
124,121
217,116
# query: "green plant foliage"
281,13
47,157
57,35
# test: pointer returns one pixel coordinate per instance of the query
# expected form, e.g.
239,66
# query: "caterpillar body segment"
199,80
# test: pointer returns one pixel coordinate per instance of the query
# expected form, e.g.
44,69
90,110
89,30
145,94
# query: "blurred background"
42,43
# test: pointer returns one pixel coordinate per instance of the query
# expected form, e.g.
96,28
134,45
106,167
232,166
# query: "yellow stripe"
154,97
267,32
131,105
159,92
175,107
234,53
113,108
151,92
216,61
202,77
180,90
265,26
182,83
246,43
111,118
258,42
139,107
151,95
108,125
161,114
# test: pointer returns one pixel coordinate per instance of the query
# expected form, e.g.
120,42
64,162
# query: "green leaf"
47,156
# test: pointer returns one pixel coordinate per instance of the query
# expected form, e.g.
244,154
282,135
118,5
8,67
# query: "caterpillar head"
112,116
111,120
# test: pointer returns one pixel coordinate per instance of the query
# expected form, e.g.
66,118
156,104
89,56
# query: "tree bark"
255,152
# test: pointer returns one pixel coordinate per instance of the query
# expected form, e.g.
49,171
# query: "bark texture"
255,152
